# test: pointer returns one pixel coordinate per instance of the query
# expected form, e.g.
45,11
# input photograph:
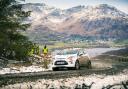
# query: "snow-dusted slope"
96,82
102,21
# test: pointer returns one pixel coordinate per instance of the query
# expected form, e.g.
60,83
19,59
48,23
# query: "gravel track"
26,77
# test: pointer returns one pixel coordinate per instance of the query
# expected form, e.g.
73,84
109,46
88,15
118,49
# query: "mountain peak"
103,6
37,4
79,6
76,9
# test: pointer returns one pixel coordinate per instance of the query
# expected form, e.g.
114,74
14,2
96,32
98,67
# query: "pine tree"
13,45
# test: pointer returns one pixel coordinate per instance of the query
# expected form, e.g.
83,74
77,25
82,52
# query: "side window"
80,53
84,52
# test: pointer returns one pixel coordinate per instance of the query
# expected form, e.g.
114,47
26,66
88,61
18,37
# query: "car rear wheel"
77,65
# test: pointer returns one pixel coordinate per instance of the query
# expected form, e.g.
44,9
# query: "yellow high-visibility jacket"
45,50
31,52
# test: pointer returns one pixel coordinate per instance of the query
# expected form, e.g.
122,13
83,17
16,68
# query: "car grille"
61,63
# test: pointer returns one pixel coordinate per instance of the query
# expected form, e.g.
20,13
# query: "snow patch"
70,83
56,20
24,69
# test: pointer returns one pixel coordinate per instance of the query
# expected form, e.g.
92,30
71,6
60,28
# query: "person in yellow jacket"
45,50
45,55
30,53
36,49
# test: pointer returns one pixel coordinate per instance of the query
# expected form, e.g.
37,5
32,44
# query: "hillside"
99,22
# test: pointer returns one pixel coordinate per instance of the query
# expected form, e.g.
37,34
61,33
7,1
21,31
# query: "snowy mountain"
101,21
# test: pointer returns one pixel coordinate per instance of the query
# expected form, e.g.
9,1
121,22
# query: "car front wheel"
77,65
55,69
89,65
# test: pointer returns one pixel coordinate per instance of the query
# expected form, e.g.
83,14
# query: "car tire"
77,65
89,65
55,69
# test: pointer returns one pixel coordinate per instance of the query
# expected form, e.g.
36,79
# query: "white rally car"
70,59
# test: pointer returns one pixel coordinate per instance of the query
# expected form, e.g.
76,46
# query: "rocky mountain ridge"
101,22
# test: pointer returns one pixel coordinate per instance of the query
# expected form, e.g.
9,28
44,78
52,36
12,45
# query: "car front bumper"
63,66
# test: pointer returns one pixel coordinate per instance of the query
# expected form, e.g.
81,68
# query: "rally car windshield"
67,52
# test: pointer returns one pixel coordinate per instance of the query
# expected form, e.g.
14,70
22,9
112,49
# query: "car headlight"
70,59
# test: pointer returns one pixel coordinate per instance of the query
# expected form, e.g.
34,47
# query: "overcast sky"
64,4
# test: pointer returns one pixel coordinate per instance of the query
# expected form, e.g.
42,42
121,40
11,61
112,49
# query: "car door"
81,59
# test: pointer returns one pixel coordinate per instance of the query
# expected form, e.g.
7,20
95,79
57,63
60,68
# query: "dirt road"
110,69
98,67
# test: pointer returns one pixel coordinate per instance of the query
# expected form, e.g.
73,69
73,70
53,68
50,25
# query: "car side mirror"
80,54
